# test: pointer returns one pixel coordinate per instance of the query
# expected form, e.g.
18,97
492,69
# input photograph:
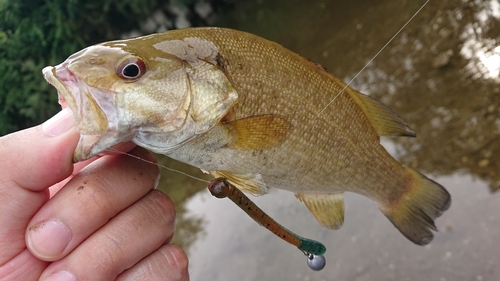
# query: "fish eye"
131,68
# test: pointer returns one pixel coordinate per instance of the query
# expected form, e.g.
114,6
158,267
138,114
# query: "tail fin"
415,211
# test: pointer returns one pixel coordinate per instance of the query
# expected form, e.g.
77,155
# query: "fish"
249,110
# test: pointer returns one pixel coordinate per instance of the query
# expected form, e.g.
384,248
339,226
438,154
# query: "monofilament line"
355,76
156,164
373,58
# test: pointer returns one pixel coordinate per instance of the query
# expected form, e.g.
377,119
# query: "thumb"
39,157
31,161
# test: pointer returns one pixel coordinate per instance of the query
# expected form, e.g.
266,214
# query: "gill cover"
206,92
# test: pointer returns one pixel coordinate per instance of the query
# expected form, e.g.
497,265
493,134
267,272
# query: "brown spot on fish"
317,65
221,61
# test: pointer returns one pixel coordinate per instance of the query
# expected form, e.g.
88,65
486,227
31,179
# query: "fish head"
156,92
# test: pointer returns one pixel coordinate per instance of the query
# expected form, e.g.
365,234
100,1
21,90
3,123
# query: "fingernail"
59,123
157,181
60,276
48,239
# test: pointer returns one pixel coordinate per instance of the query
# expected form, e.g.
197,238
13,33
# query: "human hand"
96,220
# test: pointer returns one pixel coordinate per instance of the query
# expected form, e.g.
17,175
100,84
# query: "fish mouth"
91,120
58,81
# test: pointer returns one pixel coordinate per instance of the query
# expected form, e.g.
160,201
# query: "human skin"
100,219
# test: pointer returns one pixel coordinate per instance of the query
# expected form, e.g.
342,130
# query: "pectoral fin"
383,119
328,209
258,132
251,183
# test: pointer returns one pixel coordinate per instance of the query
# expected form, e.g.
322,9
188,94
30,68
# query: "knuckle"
98,193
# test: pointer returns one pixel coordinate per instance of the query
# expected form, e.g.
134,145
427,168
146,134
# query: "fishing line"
355,76
373,58
156,164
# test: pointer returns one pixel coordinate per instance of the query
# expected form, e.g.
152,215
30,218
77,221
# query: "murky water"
441,75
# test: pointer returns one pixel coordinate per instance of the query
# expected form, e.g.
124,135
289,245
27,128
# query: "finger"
30,162
77,167
125,240
34,160
169,263
121,148
22,267
96,194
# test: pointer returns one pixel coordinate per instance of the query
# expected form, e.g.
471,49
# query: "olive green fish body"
329,147
247,109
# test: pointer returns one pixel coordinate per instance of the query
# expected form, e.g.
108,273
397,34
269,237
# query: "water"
441,75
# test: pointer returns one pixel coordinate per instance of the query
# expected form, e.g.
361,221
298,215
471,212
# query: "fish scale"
249,110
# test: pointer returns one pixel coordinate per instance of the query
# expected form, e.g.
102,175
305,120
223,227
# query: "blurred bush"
37,33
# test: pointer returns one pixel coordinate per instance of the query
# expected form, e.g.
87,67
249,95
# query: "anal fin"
328,209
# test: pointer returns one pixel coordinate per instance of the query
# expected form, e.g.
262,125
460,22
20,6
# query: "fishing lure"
314,250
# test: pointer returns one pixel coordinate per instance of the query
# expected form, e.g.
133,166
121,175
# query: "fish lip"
57,76
70,93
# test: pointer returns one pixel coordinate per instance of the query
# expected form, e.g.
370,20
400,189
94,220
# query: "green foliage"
37,33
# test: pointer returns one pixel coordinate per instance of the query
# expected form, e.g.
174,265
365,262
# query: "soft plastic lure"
314,250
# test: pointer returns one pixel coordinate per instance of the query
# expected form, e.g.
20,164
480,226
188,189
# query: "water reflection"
453,104
479,47
181,189
441,74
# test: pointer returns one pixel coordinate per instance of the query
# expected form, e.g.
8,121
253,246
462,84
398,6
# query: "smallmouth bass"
249,110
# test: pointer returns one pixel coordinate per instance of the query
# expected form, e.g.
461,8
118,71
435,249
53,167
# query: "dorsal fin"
385,121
